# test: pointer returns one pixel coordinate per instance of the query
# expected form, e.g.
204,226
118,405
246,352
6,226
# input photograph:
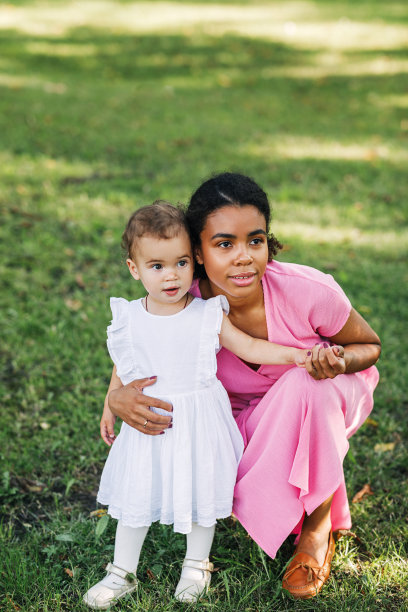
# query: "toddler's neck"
155,307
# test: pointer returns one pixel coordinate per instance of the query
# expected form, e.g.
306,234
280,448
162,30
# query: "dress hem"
177,528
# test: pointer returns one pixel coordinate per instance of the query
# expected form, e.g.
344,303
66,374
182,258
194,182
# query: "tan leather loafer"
304,578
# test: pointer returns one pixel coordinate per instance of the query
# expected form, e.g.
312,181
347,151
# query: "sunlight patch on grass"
392,100
343,236
61,50
295,23
26,166
337,64
19,82
342,34
298,147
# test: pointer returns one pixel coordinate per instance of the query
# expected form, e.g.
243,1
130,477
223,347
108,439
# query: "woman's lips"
243,280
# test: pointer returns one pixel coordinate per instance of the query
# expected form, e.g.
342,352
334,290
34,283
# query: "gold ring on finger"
145,423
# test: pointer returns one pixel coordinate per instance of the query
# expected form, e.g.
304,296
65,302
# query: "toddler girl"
185,476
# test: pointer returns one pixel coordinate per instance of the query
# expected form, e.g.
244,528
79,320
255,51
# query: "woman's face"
234,249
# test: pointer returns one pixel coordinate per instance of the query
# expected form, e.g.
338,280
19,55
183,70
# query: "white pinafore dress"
187,474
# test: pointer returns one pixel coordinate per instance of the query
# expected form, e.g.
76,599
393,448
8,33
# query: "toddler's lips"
243,280
171,291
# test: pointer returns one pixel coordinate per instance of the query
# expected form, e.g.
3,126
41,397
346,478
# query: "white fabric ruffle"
119,341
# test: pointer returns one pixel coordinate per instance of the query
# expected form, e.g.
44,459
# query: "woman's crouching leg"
297,439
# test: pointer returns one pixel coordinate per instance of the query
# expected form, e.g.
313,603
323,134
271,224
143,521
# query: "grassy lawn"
105,106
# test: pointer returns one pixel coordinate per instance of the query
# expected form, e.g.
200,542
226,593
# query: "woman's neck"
238,304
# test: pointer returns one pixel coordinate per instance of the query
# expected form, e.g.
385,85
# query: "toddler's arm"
255,350
108,418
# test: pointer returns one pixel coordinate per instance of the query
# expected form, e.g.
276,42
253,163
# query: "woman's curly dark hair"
226,189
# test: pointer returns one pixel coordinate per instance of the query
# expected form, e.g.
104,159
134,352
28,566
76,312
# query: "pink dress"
295,429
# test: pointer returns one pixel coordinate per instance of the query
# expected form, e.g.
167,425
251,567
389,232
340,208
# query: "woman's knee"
321,395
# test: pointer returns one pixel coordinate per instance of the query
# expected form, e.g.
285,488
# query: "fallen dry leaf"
344,533
74,305
150,575
31,486
11,602
372,422
381,447
100,512
80,281
69,572
366,490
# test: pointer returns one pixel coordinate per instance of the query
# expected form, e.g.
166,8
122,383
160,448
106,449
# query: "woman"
295,423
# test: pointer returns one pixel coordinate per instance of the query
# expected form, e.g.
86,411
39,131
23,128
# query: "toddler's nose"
171,274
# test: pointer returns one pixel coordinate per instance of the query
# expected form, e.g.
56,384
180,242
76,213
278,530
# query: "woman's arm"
255,350
131,405
362,348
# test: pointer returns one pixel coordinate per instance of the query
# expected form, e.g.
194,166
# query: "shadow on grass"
140,107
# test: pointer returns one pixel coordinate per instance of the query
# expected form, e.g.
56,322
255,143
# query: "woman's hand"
358,348
134,407
324,361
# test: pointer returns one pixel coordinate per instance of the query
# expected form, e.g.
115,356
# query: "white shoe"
194,580
102,595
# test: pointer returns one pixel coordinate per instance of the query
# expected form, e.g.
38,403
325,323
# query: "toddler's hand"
300,357
107,426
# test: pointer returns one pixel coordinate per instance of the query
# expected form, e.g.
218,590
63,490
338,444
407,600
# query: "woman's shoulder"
297,275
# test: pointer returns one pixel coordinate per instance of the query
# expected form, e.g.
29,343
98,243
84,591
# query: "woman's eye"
224,244
157,266
257,241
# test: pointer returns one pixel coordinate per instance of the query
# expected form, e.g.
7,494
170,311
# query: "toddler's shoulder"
120,308
218,303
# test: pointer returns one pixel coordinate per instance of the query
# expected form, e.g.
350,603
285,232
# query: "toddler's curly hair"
160,219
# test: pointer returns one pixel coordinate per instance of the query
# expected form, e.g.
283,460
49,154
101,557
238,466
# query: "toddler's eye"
157,266
182,263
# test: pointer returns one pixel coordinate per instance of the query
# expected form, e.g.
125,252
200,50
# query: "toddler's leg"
128,544
196,573
199,542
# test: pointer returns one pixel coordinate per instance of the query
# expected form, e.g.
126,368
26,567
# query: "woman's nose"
243,257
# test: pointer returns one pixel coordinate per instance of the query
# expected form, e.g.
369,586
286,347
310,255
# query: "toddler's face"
165,267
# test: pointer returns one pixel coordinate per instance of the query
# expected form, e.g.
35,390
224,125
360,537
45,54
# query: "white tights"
129,542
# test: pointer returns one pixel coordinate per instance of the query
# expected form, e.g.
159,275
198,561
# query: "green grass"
101,116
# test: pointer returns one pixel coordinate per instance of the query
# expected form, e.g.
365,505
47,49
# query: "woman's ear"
133,269
198,256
